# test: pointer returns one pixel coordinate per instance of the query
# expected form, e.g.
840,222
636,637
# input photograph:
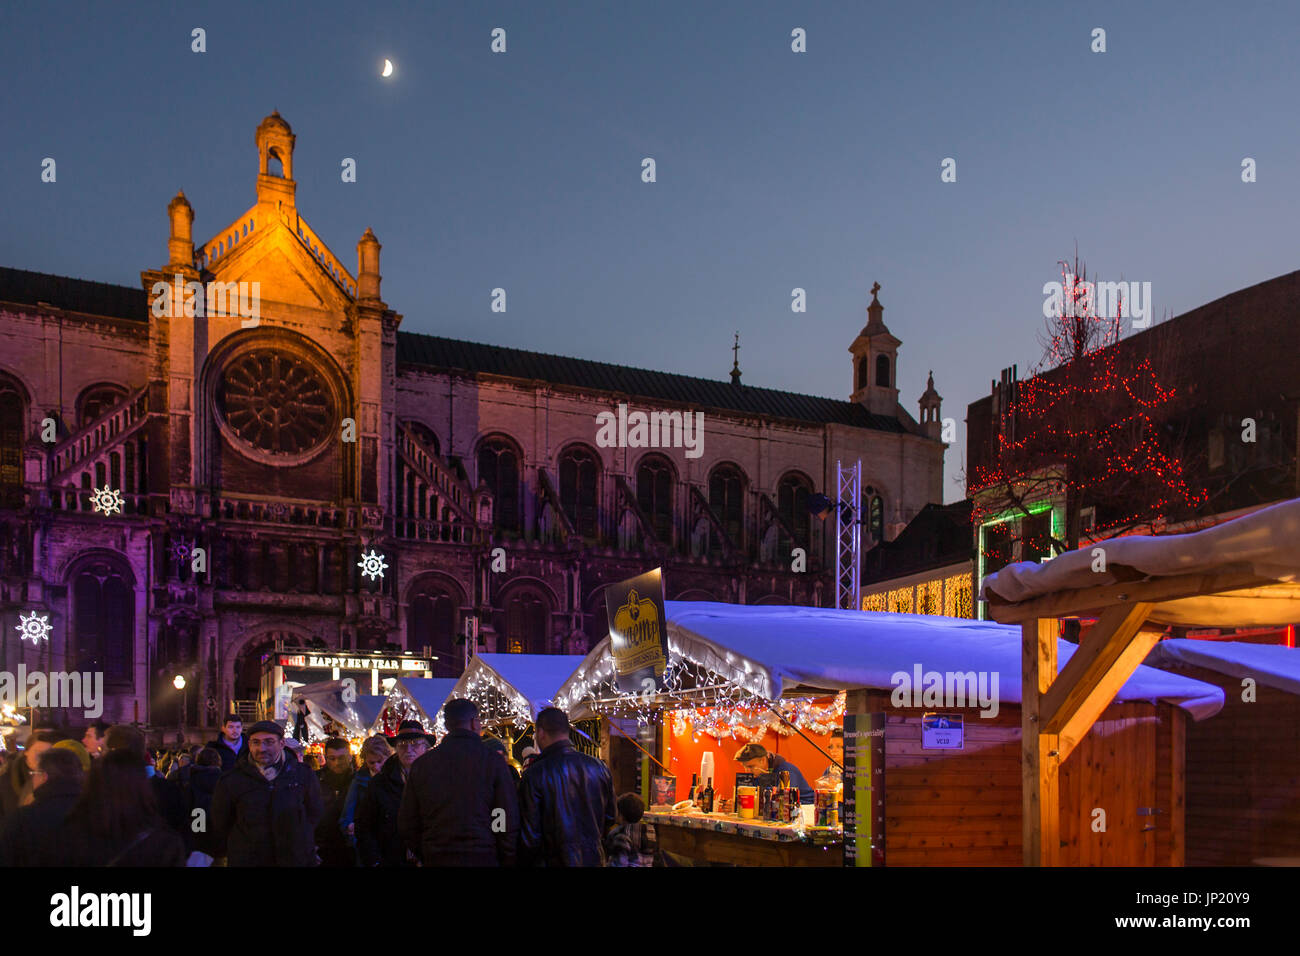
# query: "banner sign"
638,632
329,662
864,789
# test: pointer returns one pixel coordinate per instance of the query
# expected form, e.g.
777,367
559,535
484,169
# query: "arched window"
792,505
498,466
579,489
103,616
654,495
873,509
97,400
274,165
863,368
727,499
882,370
13,415
433,623
526,622
426,436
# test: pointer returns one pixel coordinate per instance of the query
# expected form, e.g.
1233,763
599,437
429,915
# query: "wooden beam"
1177,786
1039,766
1155,591
1076,725
1100,649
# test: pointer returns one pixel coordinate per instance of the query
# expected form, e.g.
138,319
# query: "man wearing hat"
264,811
767,768
378,841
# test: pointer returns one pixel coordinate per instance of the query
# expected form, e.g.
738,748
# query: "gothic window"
97,400
726,498
103,615
12,415
792,505
526,619
882,371
579,484
276,403
873,508
426,436
654,495
498,466
863,368
432,623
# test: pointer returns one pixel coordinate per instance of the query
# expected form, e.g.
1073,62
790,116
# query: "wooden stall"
1121,792
1237,574
1243,767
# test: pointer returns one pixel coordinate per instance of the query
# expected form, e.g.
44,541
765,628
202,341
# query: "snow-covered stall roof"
1269,664
771,651
327,698
514,687
1264,544
425,694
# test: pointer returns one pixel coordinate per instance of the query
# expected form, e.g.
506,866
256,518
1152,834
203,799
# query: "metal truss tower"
848,536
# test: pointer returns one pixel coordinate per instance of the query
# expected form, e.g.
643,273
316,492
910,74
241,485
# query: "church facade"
187,484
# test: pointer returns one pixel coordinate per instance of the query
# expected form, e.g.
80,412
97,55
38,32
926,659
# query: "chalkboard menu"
864,790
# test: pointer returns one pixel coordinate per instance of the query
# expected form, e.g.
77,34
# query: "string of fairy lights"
1063,434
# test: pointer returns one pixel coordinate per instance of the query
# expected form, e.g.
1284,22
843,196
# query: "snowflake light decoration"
372,564
34,627
107,500
181,551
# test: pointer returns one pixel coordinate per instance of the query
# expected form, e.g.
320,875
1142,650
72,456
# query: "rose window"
275,402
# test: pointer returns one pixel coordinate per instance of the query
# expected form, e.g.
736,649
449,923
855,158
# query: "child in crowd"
631,842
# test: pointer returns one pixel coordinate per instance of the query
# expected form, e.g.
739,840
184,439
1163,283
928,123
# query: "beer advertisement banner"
638,632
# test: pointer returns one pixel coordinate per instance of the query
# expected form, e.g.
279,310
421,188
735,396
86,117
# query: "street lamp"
179,683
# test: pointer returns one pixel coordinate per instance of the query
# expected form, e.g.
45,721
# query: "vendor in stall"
768,767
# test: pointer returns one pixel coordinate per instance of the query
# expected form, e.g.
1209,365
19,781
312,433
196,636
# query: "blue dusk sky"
775,170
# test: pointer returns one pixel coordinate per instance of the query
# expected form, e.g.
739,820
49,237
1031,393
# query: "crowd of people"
254,799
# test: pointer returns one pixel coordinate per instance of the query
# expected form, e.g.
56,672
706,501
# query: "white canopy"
1264,544
326,698
421,697
1269,664
514,687
771,651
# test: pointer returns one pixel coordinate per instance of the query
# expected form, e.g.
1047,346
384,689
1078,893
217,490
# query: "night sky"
775,170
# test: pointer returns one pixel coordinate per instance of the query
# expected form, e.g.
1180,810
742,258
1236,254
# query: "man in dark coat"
171,801
768,767
265,810
203,784
460,807
378,842
33,835
230,743
566,801
335,779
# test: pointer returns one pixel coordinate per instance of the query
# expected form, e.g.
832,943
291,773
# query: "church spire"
735,361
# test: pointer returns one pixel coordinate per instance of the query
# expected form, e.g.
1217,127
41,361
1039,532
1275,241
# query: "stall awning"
326,698
772,651
425,694
1268,664
514,687
1242,573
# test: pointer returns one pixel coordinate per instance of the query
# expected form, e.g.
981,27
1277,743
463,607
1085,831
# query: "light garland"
751,724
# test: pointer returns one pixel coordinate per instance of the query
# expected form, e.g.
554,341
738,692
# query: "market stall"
510,689
414,698
336,702
1241,573
1243,804
942,803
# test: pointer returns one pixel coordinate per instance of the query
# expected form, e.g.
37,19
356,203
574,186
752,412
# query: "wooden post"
1040,799
1178,787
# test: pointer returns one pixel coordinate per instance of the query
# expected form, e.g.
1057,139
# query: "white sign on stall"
942,731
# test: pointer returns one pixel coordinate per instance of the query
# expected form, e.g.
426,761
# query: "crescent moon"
388,68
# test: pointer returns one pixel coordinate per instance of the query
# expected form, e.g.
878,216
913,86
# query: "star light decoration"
106,500
372,564
35,627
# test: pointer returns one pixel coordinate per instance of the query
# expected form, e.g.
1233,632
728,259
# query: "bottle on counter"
695,783
706,799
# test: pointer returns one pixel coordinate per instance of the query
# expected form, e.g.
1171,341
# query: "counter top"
757,829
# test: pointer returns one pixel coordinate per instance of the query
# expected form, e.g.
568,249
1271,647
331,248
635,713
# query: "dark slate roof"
435,352
75,295
939,536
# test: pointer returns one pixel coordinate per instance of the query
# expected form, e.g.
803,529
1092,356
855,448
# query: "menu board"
864,790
